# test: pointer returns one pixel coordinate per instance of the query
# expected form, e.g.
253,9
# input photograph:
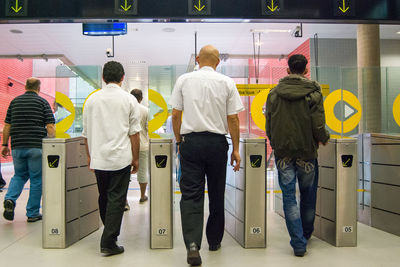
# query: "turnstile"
245,195
161,193
336,211
70,195
381,168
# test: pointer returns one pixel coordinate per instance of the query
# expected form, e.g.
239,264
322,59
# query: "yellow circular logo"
352,111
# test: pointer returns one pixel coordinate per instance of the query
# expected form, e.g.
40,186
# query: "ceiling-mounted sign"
344,8
16,8
128,7
368,11
199,7
271,7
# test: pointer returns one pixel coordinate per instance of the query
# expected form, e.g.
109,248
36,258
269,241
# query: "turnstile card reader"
245,195
161,193
70,195
336,211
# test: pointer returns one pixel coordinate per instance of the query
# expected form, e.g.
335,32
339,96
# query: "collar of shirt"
207,68
30,92
112,86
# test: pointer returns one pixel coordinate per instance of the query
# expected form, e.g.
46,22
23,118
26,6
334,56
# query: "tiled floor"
20,245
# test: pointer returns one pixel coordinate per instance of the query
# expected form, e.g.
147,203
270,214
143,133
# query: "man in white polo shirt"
111,125
209,103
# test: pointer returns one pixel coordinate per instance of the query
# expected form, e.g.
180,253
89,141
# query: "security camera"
297,32
109,52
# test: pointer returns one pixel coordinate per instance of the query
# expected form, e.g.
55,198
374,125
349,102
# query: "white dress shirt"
144,132
206,98
110,116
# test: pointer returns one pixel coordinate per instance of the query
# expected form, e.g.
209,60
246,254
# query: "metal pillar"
245,196
70,195
381,153
161,194
336,212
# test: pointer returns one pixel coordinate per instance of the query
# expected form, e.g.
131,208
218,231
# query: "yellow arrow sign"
126,7
344,9
16,8
200,7
272,7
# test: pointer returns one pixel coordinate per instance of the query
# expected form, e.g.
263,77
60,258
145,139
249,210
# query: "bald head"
208,56
32,84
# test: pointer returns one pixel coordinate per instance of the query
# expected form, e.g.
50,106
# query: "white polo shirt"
109,117
206,98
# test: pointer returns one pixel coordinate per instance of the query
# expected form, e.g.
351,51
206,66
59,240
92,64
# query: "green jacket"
296,118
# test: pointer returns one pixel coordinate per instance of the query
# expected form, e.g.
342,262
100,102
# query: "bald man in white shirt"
205,107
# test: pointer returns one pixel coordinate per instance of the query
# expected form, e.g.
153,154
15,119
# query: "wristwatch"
4,145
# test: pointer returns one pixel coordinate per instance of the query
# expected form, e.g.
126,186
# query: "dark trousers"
203,154
113,188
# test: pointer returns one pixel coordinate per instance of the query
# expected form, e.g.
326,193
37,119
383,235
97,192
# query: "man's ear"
288,71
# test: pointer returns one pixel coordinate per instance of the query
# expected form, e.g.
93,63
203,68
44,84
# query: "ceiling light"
246,20
16,31
168,29
258,43
270,31
398,32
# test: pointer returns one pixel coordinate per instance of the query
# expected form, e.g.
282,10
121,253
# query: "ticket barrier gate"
245,195
70,195
161,193
336,211
380,183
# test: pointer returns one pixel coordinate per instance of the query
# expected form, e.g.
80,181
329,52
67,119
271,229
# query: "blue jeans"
299,222
27,165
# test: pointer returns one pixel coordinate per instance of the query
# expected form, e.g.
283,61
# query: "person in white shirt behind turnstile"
142,174
210,103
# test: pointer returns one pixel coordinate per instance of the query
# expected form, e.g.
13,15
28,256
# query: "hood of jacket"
294,87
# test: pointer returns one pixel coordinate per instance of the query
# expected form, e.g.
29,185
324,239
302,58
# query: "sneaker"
142,200
2,185
35,218
9,207
127,207
193,255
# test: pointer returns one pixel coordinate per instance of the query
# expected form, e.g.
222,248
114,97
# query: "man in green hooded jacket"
295,126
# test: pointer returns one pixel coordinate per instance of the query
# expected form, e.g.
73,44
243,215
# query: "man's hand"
235,157
135,166
88,164
5,152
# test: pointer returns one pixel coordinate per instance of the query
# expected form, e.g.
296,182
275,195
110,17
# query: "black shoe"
112,251
193,255
34,219
9,207
299,253
2,185
214,247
